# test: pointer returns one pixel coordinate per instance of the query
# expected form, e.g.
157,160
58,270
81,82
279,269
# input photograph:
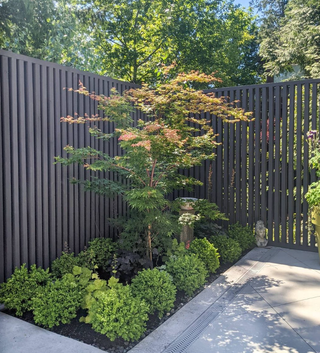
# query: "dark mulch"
83,332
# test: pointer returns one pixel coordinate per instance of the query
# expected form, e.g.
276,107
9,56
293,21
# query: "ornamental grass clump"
156,288
188,272
206,252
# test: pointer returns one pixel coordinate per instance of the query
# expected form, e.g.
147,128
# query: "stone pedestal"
187,233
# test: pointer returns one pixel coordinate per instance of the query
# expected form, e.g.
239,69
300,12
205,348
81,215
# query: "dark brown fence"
261,169
39,210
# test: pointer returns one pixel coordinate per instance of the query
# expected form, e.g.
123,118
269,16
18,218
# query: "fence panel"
261,170
40,212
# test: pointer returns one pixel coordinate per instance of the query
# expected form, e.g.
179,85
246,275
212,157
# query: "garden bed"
84,333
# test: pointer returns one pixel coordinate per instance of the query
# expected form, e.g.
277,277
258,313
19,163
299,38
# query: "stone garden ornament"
261,234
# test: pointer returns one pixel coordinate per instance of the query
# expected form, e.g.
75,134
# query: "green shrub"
156,288
115,312
206,252
59,301
229,249
16,293
208,229
243,235
63,264
188,272
100,252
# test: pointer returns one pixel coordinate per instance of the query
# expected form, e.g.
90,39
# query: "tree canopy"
130,40
295,40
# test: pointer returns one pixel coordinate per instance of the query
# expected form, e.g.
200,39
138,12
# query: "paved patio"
268,302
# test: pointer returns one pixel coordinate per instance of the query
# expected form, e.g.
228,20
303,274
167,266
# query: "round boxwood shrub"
17,292
156,288
243,235
188,272
115,312
229,249
206,252
57,302
63,264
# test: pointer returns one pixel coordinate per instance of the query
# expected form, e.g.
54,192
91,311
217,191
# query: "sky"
244,3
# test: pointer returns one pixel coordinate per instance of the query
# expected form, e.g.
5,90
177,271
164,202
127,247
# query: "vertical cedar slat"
231,170
65,170
270,167
244,156
226,144
38,164
305,165
290,164
238,161
102,174
263,140
58,152
315,125
298,168
31,210
219,160
6,166
257,155
70,136
214,164
76,204
53,120
284,165
81,169
277,199
45,162
251,160
15,164
22,150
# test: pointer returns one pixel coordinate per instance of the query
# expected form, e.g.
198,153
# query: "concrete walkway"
268,302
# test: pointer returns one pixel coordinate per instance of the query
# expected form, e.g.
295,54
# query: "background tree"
296,41
134,37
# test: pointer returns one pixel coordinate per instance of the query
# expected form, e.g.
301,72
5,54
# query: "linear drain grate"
194,330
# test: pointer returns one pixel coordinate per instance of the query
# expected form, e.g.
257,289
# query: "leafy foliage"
100,252
228,249
115,312
243,235
127,265
63,264
17,292
134,38
156,289
295,40
206,252
188,272
155,150
59,301
208,229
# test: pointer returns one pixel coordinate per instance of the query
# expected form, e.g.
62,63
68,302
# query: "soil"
83,332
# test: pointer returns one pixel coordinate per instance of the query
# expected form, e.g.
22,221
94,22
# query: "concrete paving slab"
304,317
254,332
18,336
